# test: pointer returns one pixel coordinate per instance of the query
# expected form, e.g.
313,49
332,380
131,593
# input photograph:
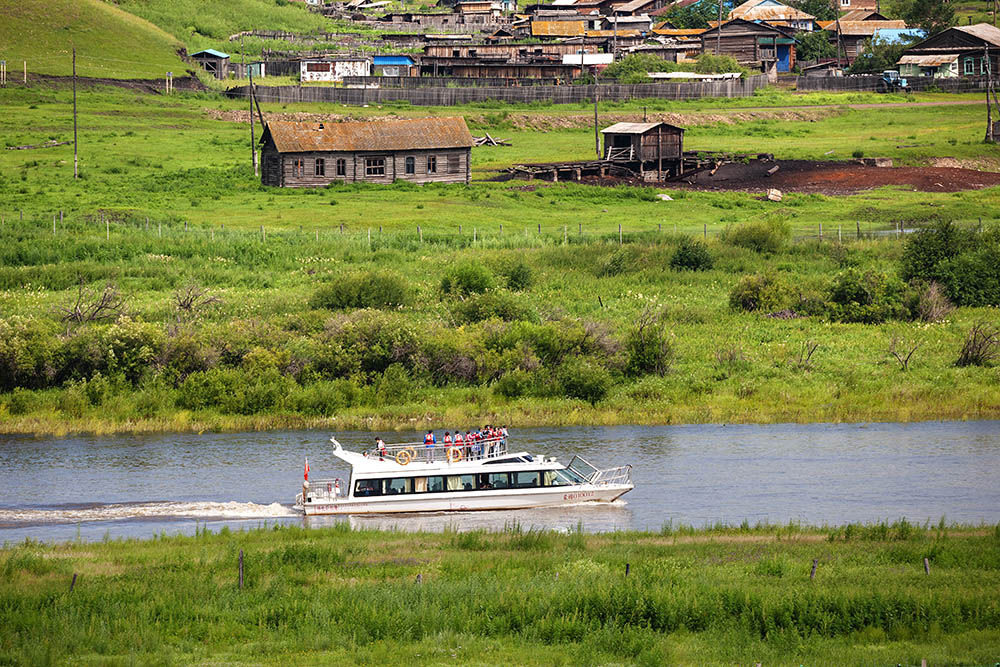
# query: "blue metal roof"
211,52
392,60
898,35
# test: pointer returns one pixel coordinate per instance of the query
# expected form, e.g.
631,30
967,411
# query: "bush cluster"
371,289
691,255
760,236
965,263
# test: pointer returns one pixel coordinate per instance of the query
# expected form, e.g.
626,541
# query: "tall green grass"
345,595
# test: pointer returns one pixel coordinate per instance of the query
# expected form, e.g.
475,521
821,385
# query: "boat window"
563,477
420,485
494,480
368,487
461,482
520,480
398,485
435,484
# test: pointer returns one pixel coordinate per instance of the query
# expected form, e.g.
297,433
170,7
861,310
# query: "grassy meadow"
336,595
507,301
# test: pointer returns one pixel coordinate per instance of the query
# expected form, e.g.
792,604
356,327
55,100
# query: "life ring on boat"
404,457
454,454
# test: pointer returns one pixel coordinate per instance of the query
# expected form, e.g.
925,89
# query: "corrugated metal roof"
983,31
768,10
209,52
390,135
928,61
611,33
864,28
635,128
632,6
556,28
861,15
679,32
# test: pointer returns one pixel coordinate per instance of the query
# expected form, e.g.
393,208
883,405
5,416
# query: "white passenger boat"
412,477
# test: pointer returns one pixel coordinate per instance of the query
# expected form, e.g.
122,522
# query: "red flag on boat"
307,470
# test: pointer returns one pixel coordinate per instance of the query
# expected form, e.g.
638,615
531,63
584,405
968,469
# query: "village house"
394,66
850,37
214,62
941,66
334,68
421,150
774,13
967,43
752,44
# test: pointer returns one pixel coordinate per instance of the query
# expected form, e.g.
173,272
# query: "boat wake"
151,510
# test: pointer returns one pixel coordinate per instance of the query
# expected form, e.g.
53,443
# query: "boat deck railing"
324,490
613,476
405,452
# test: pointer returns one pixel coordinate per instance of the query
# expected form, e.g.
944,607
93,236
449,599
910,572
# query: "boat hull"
466,502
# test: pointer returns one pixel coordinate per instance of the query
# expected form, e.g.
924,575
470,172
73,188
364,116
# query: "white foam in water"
165,510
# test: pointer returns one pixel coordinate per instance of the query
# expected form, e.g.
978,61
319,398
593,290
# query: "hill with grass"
109,42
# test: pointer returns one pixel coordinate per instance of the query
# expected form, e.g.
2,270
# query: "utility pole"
718,32
597,136
76,158
253,143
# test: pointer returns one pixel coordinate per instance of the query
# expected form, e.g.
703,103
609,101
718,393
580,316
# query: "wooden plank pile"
489,141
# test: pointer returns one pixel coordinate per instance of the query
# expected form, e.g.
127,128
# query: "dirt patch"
838,178
153,86
978,164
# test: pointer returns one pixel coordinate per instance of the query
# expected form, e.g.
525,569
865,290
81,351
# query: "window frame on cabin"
432,164
410,165
341,166
375,166
319,168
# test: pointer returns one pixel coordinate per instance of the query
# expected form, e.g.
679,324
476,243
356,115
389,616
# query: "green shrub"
765,292
519,277
371,289
614,265
927,248
648,347
868,297
496,304
369,341
759,236
973,278
514,384
29,354
691,255
467,278
234,391
324,398
583,379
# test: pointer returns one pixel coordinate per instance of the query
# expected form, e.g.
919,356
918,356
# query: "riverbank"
853,594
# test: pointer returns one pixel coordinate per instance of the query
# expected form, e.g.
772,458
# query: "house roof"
392,60
679,32
864,28
749,25
556,28
209,52
633,5
635,128
389,135
928,61
983,31
631,32
863,15
768,10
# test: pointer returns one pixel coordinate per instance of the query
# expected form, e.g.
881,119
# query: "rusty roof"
622,32
387,135
557,28
679,32
863,15
767,10
865,27
636,128
928,61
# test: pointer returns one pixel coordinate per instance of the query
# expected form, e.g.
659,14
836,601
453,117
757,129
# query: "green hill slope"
109,42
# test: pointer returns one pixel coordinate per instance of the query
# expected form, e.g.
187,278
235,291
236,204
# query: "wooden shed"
214,62
421,150
653,150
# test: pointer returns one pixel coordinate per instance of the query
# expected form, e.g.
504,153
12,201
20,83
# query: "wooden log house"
653,150
421,150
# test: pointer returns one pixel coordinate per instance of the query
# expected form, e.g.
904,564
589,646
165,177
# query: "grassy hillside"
109,42
205,24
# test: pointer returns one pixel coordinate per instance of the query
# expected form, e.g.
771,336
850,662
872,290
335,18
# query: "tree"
821,10
697,15
877,55
931,16
815,46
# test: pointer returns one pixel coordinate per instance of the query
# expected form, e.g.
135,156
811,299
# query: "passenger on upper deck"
429,442
380,447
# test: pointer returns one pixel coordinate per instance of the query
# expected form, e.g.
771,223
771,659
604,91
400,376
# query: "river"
110,487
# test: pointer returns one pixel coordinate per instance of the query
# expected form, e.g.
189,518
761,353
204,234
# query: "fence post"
539,228
840,237
501,229
53,223
706,231
565,235
579,229
821,230
619,233
474,234
369,238
927,566
858,223
815,563
420,233
241,569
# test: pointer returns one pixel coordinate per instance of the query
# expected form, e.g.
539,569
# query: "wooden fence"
445,96
445,81
840,83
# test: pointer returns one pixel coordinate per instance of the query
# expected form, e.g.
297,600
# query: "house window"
299,167
375,166
970,66
454,162
320,167
317,67
432,164
455,53
341,167
411,165
845,3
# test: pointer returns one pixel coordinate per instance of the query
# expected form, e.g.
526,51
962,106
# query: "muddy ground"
829,178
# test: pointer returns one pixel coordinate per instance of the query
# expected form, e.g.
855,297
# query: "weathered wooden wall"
565,94
452,166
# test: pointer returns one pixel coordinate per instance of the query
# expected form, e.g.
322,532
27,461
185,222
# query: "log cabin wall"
318,169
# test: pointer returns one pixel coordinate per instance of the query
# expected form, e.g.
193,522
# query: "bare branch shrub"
193,298
982,345
91,306
897,348
804,360
934,305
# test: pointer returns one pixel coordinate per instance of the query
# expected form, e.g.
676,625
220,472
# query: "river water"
92,488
